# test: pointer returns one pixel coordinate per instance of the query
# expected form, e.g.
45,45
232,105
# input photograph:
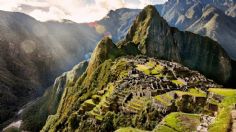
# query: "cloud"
75,10
53,13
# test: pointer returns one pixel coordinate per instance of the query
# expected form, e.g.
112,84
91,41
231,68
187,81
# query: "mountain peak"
150,9
155,38
149,13
145,21
105,50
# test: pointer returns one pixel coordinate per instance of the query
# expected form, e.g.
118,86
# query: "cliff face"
155,38
203,17
211,24
35,115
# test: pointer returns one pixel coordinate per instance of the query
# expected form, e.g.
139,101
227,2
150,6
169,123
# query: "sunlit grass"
129,129
150,68
102,102
178,121
223,92
179,82
191,93
223,119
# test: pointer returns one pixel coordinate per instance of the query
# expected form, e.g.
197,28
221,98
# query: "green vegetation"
90,101
102,103
197,91
165,99
138,104
94,103
35,116
120,69
213,101
129,48
179,82
180,122
193,93
223,119
129,129
151,68
163,128
157,69
144,68
151,63
223,92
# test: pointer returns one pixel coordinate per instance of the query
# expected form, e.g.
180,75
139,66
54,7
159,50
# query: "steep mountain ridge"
211,24
34,116
196,16
184,15
119,91
155,38
47,49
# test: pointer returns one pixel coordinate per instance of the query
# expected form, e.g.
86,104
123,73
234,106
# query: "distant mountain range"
34,53
213,18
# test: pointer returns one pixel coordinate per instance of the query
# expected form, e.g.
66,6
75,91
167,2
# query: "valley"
169,67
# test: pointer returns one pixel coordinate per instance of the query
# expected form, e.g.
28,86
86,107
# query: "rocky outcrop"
206,121
105,50
155,38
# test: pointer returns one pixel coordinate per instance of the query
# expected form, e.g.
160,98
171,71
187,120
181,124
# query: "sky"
75,10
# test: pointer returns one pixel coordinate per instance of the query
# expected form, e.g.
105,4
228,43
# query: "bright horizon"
75,10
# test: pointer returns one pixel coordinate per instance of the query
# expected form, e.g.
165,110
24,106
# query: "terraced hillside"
128,91
147,94
128,87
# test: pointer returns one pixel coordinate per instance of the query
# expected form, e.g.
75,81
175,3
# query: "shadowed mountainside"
33,54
